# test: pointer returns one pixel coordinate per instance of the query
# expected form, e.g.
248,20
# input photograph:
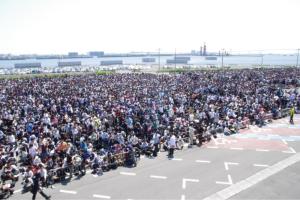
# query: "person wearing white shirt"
11,139
191,134
37,161
32,151
43,172
172,145
156,142
134,140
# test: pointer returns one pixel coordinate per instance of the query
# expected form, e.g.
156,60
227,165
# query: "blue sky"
60,26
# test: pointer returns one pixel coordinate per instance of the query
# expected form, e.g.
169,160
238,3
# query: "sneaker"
48,198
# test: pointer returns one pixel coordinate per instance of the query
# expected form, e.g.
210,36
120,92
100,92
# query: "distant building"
173,61
182,58
111,62
211,58
204,50
148,60
72,54
96,53
27,65
69,64
201,51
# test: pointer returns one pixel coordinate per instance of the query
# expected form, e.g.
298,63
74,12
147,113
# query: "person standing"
292,113
156,142
36,187
191,135
172,145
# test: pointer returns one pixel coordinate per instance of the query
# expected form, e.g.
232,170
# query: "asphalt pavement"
257,163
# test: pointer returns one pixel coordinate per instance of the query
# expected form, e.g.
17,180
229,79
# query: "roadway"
257,163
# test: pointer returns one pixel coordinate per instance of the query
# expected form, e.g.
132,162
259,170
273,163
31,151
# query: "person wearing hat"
36,187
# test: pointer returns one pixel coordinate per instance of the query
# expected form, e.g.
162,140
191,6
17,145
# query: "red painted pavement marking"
252,144
286,132
273,131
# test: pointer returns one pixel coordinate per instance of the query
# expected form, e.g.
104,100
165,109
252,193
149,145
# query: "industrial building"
72,54
27,65
148,60
96,53
111,62
176,61
69,63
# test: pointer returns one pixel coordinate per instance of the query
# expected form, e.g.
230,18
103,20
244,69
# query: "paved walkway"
254,164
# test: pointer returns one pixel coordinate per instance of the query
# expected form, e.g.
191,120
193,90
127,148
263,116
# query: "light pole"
175,58
158,58
297,58
222,57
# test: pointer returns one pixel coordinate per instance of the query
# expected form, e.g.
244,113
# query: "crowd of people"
56,127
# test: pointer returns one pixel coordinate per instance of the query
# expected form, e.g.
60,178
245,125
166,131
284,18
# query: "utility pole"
262,60
175,58
222,57
297,58
159,59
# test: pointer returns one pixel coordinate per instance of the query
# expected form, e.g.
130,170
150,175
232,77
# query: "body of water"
194,60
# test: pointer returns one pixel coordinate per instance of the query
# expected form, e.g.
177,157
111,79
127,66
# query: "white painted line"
177,159
267,129
265,150
184,180
158,177
229,163
216,141
128,173
237,148
263,138
101,196
290,140
202,161
291,150
212,147
68,191
182,197
225,183
260,165
16,191
254,179
284,141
